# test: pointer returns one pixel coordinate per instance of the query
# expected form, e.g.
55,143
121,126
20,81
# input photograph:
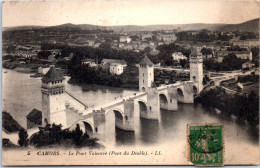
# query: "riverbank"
245,109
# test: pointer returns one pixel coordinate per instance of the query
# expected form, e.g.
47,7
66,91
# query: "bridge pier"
99,124
129,119
173,101
153,103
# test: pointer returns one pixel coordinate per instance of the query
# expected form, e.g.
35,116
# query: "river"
20,94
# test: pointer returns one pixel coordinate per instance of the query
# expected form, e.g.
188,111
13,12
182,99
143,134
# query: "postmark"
205,142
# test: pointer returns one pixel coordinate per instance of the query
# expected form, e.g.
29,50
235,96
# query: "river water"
20,94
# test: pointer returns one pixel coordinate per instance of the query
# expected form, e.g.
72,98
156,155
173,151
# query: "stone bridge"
62,107
125,113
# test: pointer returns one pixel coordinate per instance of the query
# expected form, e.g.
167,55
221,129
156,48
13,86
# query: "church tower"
146,74
196,70
53,98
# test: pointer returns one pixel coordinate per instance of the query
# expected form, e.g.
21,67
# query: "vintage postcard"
130,82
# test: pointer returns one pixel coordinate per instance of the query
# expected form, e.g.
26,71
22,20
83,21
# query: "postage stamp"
205,144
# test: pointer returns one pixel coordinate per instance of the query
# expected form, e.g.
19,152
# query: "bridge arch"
88,128
115,117
85,125
180,92
115,109
180,95
163,101
142,106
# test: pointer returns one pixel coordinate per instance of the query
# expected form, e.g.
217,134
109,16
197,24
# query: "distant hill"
251,26
22,28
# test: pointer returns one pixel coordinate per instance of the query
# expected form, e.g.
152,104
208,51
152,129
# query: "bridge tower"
196,70
146,74
53,98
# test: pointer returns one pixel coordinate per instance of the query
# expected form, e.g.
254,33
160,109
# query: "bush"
23,141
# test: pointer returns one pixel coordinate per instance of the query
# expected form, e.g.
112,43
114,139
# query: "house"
248,65
110,61
51,57
90,62
34,118
66,58
147,36
120,45
240,54
116,69
43,70
246,43
177,56
26,54
123,39
55,51
96,45
167,37
90,43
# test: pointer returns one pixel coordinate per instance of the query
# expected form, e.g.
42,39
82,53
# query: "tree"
184,63
255,52
77,135
206,51
23,135
43,54
231,62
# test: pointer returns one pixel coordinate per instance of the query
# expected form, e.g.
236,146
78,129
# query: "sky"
127,12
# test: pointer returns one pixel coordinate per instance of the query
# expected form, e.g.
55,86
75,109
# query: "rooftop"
52,75
114,61
146,61
35,116
235,52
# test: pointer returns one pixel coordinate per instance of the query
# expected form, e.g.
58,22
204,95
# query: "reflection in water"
173,124
125,137
149,130
167,119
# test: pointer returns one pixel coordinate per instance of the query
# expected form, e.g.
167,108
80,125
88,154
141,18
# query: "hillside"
249,26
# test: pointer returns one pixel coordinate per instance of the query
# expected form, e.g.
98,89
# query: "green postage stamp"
205,144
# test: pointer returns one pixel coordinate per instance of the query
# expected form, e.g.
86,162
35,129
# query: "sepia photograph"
127,82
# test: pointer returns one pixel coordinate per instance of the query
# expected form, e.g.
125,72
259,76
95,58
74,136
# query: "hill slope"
249,26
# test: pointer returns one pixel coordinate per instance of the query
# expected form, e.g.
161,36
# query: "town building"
110,61
246,43
147,36
177,56
43,70
51,57
248,65
34,119
123,39
116,69
167,37
239,54
89,62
